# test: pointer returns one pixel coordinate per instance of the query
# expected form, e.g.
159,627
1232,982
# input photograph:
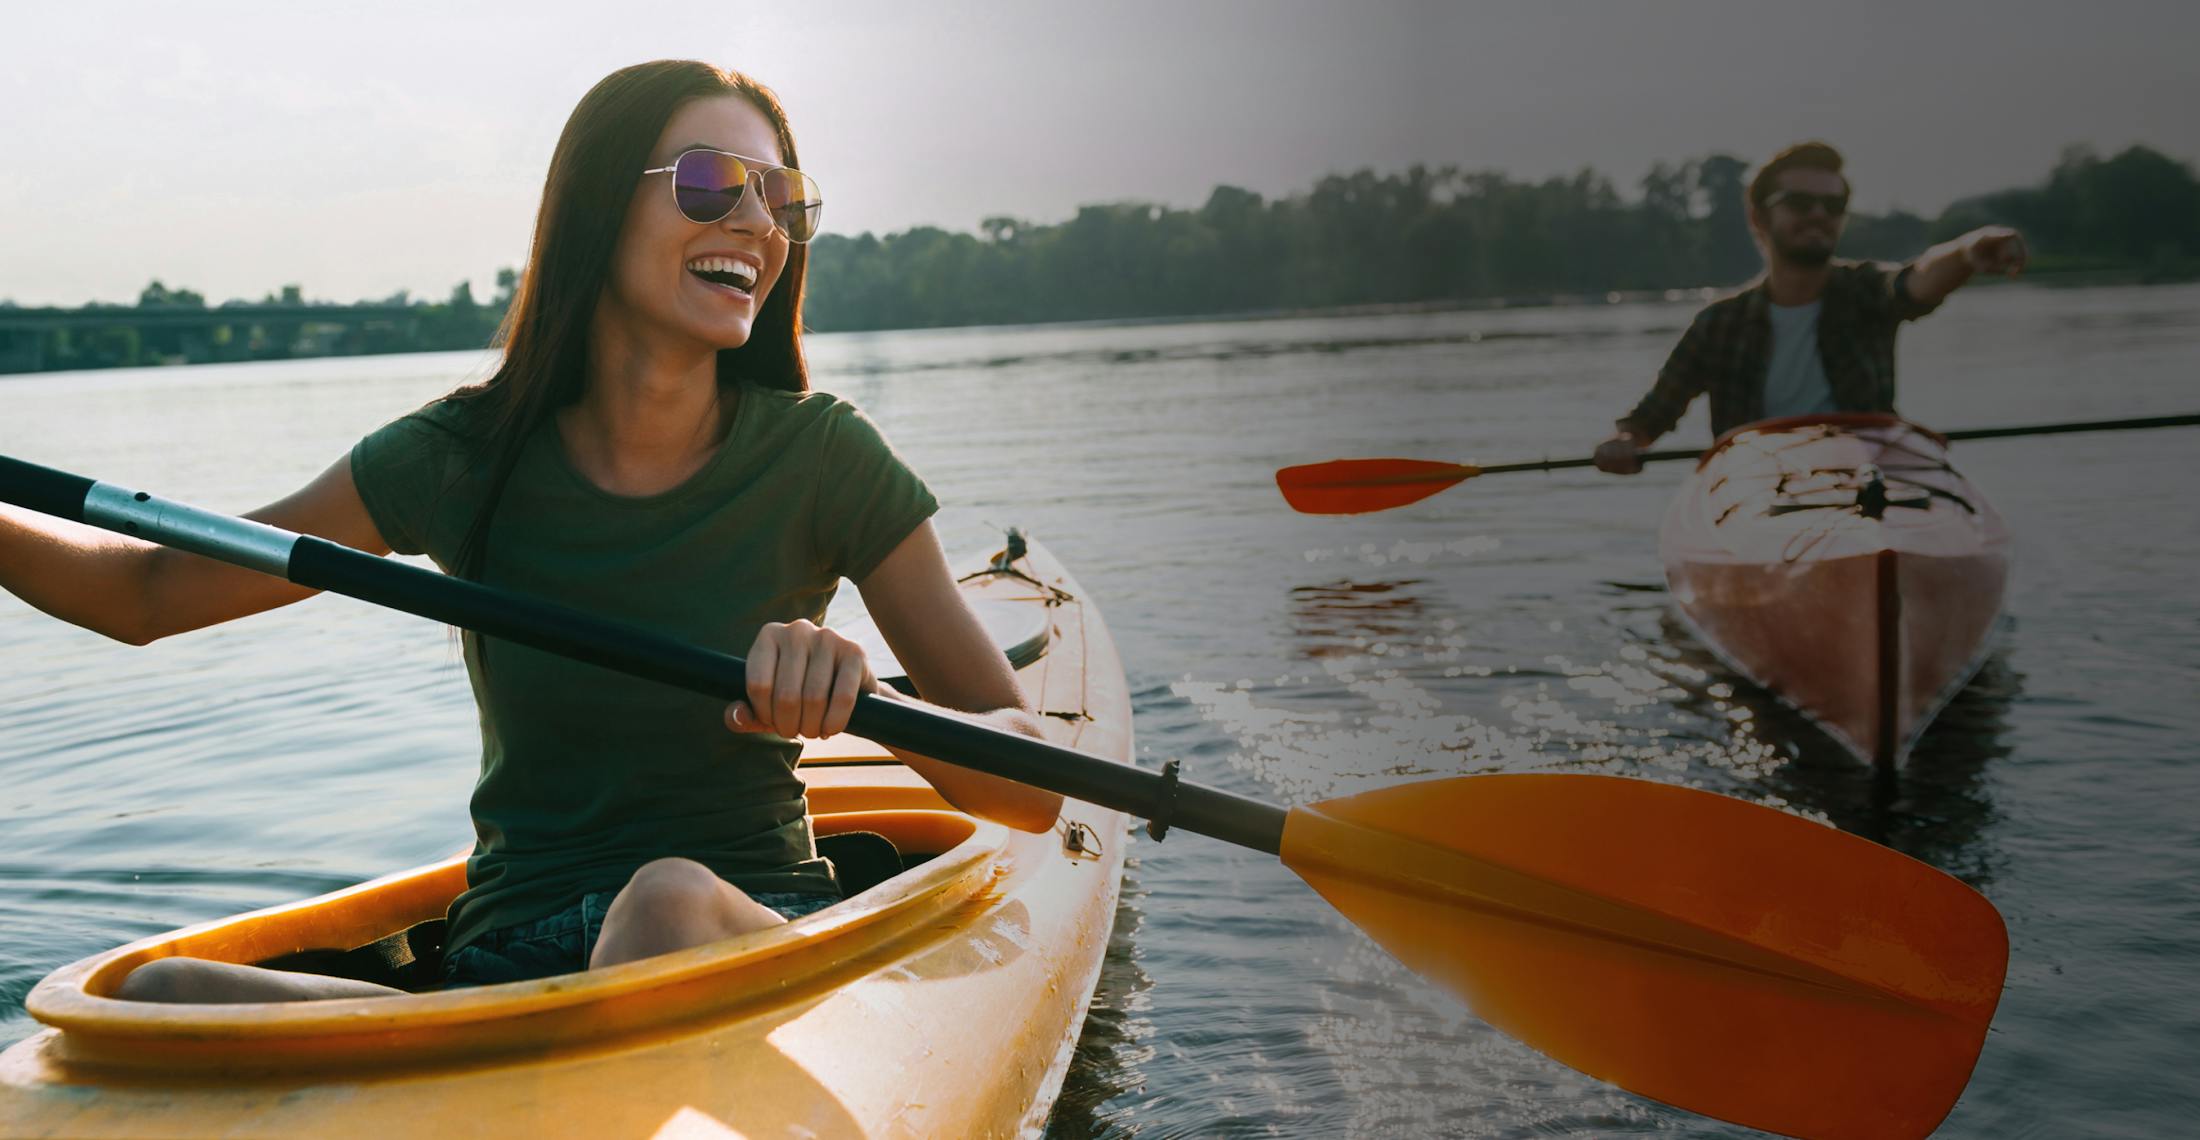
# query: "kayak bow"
1840,563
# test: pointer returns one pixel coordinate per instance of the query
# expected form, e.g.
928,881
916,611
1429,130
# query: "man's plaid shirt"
1728,349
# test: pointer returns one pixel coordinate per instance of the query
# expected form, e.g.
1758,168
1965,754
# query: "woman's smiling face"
656,272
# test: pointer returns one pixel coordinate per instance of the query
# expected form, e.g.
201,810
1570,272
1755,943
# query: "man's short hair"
1801,156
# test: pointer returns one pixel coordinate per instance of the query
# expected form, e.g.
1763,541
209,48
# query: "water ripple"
1508,624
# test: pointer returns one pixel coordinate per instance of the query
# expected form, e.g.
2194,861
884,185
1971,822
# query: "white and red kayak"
1841,563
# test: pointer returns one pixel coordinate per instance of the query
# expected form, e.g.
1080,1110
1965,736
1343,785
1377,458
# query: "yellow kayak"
943,1001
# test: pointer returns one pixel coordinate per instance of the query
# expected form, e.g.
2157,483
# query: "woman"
648,450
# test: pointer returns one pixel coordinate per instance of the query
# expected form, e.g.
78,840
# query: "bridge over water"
36,340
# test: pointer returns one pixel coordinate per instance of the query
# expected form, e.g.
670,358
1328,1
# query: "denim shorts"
562,943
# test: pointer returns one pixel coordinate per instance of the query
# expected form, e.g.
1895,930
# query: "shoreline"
2051,279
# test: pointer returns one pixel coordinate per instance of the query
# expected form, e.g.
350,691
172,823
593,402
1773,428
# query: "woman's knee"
679,885
679,902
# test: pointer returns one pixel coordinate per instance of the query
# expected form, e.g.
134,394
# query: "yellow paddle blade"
1357,486
1700,950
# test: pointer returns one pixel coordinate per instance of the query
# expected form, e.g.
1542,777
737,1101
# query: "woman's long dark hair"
592,180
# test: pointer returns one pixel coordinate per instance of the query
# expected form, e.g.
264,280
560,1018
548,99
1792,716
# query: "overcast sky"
232,148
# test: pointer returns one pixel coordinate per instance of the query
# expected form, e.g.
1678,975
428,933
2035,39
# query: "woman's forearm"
997,798
80,574
137,592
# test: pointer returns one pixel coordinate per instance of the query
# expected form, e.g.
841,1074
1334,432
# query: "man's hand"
1620,455
1994,249
1944,268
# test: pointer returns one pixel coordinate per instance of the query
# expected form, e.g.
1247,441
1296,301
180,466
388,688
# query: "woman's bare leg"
197,981
672,904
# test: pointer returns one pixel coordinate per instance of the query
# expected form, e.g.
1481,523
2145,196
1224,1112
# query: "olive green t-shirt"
587,774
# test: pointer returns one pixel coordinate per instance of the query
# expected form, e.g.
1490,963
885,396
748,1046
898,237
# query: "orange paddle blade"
1357,486
1700,950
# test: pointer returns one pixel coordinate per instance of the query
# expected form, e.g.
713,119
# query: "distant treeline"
1446,235
1424,236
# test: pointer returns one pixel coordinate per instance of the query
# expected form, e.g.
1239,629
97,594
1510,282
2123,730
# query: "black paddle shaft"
518,618
2079,425
2189,420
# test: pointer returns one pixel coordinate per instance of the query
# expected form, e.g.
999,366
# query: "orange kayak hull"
944,1001
1865,617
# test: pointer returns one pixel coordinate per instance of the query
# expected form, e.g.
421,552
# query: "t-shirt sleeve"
868,499
401,470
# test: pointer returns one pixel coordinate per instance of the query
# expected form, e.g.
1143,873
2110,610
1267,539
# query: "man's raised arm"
1944,268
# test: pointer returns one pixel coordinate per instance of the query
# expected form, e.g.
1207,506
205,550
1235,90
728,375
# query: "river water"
1514,623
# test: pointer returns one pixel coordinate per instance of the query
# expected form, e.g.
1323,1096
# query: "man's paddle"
1707,952
1360,486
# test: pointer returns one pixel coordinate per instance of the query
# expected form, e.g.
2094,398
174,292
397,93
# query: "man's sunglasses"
1801,201
707,185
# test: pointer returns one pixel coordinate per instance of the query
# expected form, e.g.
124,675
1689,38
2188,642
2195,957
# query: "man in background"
1812,334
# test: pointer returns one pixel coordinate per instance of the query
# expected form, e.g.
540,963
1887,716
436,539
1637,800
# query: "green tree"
1730,252
158,296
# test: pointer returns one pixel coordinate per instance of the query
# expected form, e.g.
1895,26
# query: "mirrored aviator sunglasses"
707,185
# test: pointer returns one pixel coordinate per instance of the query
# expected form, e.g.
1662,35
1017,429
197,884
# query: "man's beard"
1803,256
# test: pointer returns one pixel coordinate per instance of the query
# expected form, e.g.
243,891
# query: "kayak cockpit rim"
766,966
1838,421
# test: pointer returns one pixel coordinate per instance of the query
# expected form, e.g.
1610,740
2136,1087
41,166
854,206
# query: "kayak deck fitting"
945,1000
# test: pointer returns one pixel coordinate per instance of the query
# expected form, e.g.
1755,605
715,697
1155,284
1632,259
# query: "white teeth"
741,270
